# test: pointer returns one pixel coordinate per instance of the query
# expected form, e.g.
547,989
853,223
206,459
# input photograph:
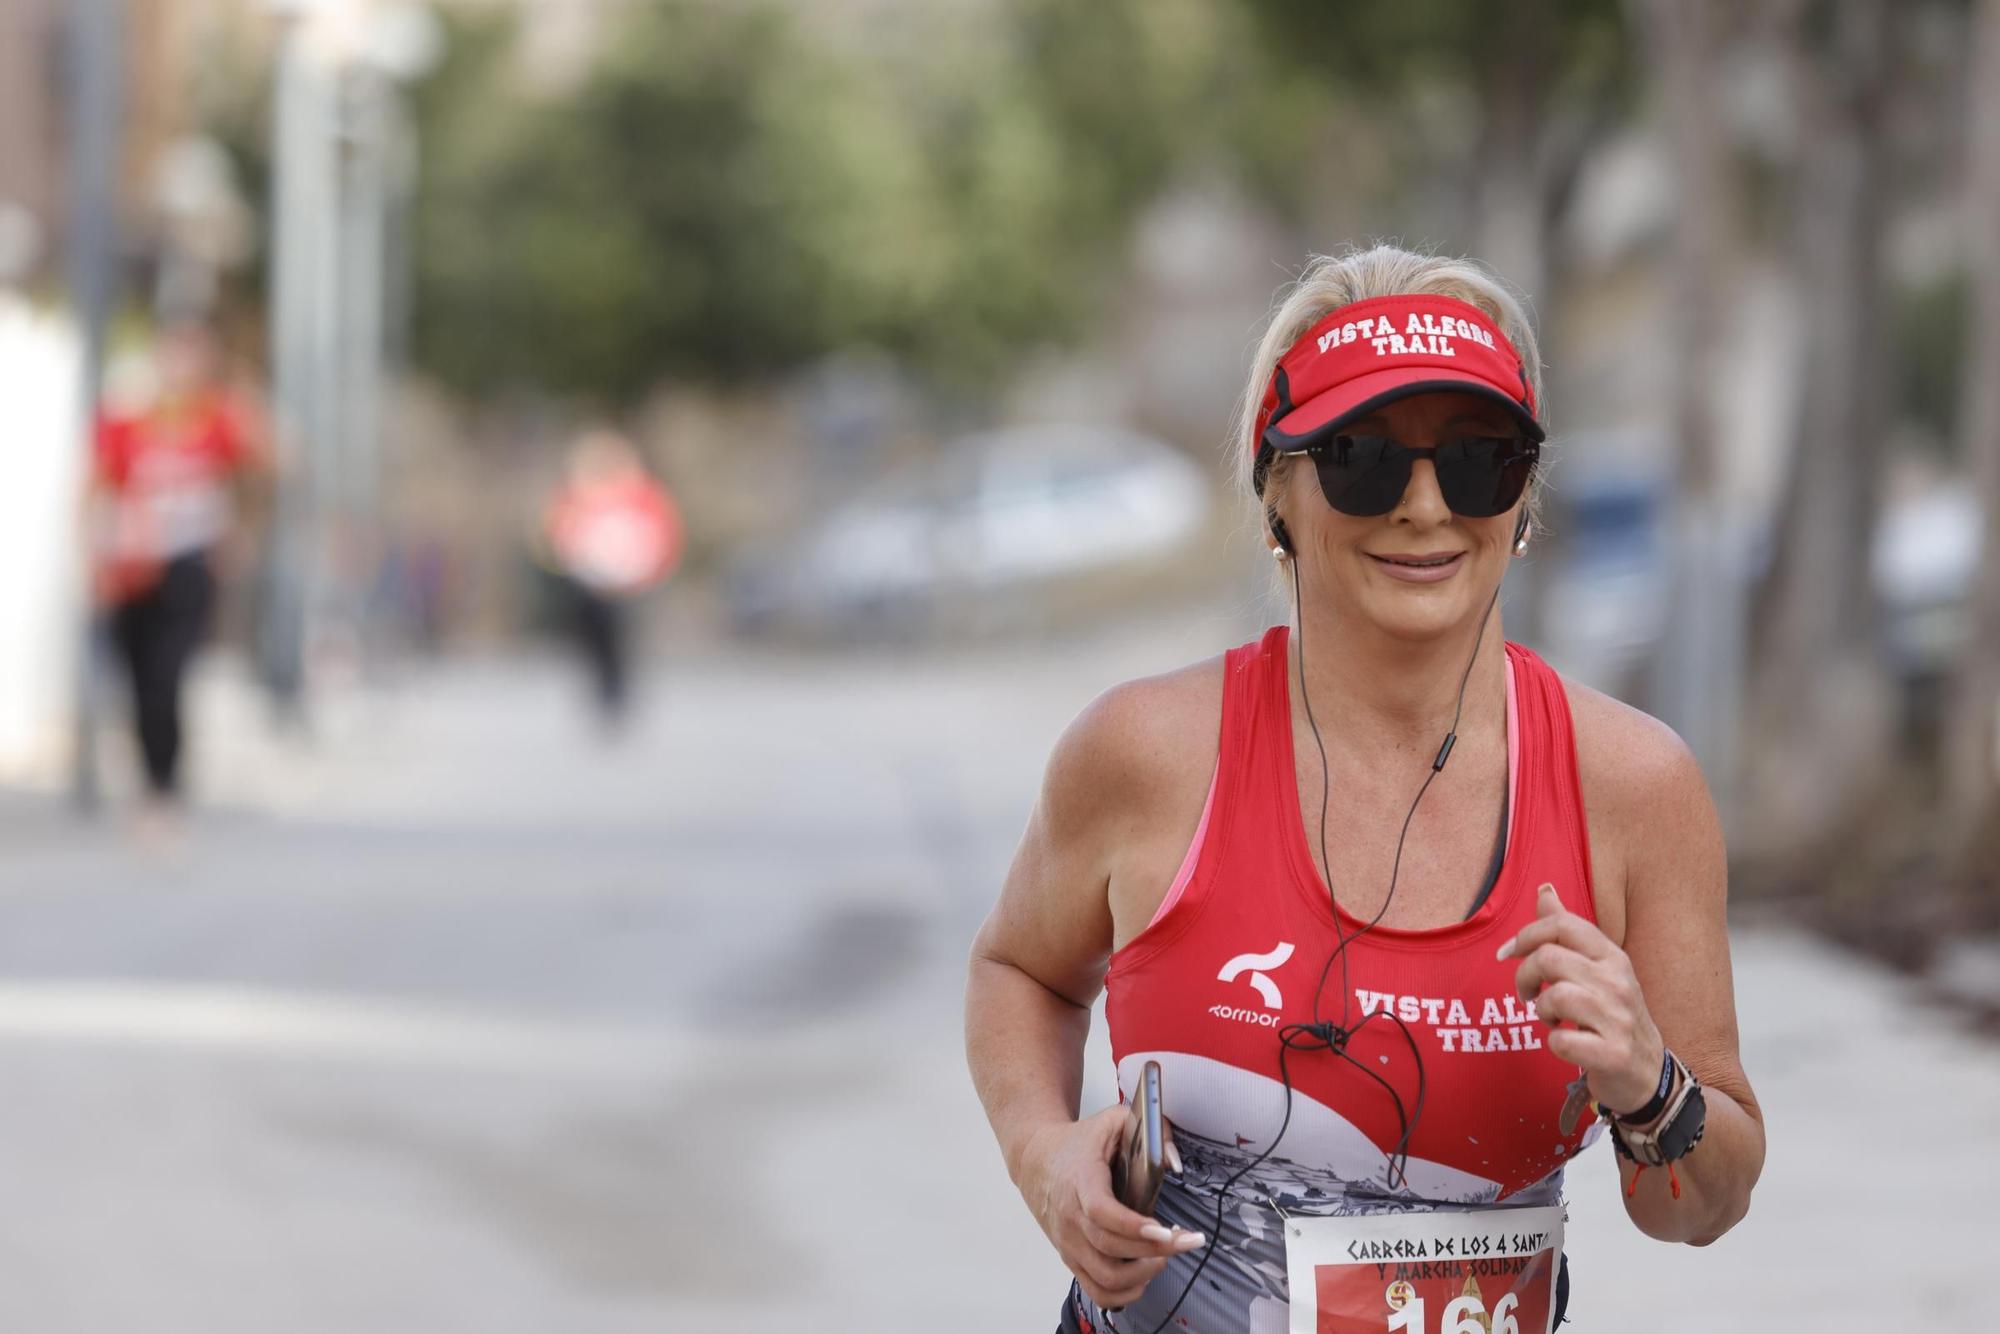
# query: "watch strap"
1658,1102
1676,1133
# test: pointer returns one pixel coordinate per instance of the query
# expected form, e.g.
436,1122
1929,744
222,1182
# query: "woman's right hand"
1066,1180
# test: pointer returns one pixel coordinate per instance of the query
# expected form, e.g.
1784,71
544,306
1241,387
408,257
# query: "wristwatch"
1674,1134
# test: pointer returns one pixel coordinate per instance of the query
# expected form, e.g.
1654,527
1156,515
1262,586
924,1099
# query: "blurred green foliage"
734,190
1930,324
737,189
1450,93
729,195
1578,47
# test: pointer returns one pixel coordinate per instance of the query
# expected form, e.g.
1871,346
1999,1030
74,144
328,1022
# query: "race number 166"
1462,1315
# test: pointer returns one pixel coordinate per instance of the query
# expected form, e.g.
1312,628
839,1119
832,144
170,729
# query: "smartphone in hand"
1140,1164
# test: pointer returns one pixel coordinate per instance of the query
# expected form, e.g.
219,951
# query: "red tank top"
1206,987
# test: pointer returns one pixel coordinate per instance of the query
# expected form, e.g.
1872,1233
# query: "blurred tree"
1687,36
1699,664
1529,88
648,226
724,199
1973,729
1930,327
735,190
731,194
1822,725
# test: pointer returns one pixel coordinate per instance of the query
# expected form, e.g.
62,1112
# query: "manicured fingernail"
1174,1159
1154,1232
1504,950
1189,1241
1546,888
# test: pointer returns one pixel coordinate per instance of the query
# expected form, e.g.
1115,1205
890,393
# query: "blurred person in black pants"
610,533
164,494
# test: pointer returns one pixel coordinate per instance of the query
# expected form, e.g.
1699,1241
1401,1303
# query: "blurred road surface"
462,1018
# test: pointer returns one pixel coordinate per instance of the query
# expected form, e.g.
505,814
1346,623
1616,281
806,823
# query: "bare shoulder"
1643,795
1141,735
1625,751
1128,769
1642,784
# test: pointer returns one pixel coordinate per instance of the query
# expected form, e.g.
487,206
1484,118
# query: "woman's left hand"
1571,970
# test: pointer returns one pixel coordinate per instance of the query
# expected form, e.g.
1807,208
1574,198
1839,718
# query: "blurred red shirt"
615,536
168,472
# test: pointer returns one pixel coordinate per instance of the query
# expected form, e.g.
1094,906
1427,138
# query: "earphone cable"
1319,1035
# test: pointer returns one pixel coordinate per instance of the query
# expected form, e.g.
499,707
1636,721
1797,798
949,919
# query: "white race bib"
1488,1271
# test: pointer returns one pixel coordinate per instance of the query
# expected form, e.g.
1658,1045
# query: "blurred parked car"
1926,552
1926,557
1610,582
978,539
1607,588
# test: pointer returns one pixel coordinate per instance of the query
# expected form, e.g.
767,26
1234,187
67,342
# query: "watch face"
1685,1131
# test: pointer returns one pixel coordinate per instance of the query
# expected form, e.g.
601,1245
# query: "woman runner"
1406,919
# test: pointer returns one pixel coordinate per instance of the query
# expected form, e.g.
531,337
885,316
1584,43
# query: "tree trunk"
1822,730
1695,682
1514,204
1512,227
1973,733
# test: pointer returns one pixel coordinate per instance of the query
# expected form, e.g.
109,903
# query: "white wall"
41,579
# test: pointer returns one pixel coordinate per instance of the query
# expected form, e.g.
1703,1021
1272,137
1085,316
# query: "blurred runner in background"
610,533
170,477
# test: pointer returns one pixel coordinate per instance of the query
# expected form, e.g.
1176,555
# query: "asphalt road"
460,1017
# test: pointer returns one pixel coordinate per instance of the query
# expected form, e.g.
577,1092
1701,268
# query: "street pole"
95,38
362,224
332,111
303,289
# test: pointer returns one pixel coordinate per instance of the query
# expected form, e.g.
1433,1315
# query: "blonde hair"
1332,281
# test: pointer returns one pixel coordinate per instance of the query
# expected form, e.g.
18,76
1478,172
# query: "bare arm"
1677,937
1668,983
1025,1046
1037,964
1039,961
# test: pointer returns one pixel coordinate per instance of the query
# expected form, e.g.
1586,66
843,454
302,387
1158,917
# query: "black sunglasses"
1479,476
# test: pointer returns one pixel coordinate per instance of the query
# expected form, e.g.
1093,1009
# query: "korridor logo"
1244,963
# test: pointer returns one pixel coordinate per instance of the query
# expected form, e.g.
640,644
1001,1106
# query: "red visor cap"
1373,352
